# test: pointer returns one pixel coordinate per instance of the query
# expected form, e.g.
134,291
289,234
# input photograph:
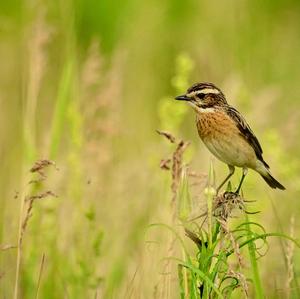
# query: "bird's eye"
201,96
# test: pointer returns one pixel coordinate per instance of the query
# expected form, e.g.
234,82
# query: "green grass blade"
61,107
255,272
203,276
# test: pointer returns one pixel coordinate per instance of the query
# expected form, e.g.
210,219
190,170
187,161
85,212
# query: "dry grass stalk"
289,258
201,177
168,135
102,90
234,244
36,38
236,249
92,69
30,200
40,276
177,162
7,247
223,207
240,277
165,164
26,212
176,168
39,167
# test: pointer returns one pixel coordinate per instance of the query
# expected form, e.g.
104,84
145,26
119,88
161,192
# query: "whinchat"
226,133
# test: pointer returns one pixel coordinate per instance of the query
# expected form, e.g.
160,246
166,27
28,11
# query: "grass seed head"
225,203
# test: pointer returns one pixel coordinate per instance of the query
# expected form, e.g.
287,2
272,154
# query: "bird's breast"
223,138
215,124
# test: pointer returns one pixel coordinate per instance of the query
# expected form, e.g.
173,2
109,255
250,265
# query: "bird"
226,134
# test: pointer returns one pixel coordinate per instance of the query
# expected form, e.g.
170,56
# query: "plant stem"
210,193
256,277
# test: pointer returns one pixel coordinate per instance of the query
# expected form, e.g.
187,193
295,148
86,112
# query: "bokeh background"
86,84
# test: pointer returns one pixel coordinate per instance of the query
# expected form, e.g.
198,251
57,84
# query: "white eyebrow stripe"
208,90
191,94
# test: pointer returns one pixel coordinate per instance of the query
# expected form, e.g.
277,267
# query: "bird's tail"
263,169
272,182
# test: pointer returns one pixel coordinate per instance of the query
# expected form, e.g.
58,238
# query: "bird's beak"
183,98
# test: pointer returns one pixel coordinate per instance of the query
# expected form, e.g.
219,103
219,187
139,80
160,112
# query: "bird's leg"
245,171
231,172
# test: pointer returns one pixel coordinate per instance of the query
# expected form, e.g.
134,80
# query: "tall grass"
34,194
211,272
86,84
38,36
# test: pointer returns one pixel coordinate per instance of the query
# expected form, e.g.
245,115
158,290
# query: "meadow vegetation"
94,202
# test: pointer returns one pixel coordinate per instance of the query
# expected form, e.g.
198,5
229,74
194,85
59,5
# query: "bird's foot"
228,195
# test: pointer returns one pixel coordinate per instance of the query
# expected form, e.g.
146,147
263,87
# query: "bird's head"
203,95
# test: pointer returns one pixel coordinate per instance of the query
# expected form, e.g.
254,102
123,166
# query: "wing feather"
246,132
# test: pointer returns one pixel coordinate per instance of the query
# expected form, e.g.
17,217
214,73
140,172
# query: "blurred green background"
86,84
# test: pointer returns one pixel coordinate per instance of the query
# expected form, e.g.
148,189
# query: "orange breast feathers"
222,137
216,124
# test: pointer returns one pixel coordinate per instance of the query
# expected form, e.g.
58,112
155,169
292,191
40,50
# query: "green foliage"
95,114
211,274
209,271
60,111
184,200
170,115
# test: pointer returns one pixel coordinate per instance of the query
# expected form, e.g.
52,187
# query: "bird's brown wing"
246,132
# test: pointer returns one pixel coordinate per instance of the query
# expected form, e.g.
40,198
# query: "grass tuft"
34,194
217,268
